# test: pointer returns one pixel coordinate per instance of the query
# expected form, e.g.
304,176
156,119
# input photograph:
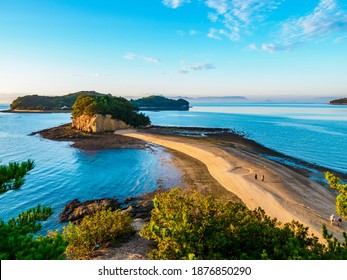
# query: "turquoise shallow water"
63,173
316,133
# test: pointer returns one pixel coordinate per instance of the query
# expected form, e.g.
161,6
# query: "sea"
314,133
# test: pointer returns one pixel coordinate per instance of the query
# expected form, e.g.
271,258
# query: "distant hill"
341,101
218,99
47,103
155,102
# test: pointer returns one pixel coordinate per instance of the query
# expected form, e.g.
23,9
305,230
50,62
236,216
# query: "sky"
174,47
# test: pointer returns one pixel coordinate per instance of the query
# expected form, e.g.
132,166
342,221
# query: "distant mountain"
47,103
341,101
159,103
217,99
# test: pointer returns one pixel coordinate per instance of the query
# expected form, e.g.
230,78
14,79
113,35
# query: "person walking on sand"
332,219
262,178
256,176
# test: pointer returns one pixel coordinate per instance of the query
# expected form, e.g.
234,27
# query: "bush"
101,229
198,227
341,199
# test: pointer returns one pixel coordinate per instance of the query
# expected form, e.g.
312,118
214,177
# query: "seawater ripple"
63,173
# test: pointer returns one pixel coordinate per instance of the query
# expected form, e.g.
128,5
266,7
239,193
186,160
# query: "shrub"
198,227
341,199
101,229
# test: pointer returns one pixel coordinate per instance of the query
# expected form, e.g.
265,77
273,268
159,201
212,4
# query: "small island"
48,103
103,113
160,103
341,101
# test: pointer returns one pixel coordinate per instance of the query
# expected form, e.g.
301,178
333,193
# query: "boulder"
98,123
76,210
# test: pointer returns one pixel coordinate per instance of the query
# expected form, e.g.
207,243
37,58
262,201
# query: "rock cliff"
97,123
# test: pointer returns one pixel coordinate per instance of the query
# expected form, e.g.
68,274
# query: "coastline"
284,194
223,164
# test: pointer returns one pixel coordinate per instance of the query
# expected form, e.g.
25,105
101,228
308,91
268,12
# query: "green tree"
341,199
12,175
17,236
118,107
198,227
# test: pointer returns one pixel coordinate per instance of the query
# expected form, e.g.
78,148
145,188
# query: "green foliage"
160,103
37,102
118,107
12,175
17,240
341,199
103,228
198,227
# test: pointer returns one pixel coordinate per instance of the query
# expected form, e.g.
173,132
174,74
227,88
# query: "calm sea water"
316,133
311,132
63,173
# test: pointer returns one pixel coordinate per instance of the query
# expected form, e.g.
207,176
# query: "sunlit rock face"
98,123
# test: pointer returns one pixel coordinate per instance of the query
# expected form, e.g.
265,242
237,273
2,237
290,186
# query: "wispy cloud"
174,3
326,18
95,75
340,39
132,56
191,32
195,67
236,16
270,48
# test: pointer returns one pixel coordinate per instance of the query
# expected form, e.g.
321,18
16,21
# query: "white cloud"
236,16
340,39
252,47
196,67
270,48
191,32
132,56
326,18
174,3
214,34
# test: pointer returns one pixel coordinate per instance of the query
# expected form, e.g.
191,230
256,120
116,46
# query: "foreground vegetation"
181,227
118,107
12,175
104,228
199,227
341,199
17,236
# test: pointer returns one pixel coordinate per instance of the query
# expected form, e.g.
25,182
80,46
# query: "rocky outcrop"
97,123
76,210
341,101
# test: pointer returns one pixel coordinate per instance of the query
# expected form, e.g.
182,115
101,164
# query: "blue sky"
174,47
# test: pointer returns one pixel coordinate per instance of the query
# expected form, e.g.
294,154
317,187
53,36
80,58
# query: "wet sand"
284,194
224,164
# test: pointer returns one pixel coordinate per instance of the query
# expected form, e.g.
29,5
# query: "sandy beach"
224,164
284,194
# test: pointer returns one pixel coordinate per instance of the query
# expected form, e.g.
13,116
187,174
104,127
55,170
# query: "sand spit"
284,193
